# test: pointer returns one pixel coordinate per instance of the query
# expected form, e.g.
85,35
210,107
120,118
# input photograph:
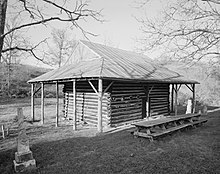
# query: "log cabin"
107,87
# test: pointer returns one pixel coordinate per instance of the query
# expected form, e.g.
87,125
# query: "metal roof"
113,63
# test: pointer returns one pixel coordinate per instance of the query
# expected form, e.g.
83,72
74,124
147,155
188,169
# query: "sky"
120,28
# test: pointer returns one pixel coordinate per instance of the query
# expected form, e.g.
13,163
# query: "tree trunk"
3,7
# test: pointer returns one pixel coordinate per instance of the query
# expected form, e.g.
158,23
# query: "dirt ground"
35,130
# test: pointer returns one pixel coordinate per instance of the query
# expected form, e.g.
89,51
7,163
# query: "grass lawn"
61,150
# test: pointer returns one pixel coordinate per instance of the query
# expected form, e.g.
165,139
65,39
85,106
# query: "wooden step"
172,129
198,122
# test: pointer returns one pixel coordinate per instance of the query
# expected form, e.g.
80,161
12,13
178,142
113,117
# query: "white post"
194,99
74,105
42,103
32,102
100,105
57,104
176,98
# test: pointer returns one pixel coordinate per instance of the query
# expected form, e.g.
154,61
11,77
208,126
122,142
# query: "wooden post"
74,105
57,104
100,106
176,98
194,99
42,103
3,131
32,102
172,95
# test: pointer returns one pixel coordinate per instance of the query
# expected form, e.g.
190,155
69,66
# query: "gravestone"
189,107
23,157
204,110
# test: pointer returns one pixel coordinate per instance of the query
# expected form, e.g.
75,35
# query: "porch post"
32,101
100,105
194,99
57,103
42,103
74,105
172,95
176,96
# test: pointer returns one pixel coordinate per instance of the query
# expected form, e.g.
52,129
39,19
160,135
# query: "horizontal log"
91,107
159,93
126,101
89,104
92,113
159,99
159,109
94,118
159,105
88,121
159,113
159,102
115,85
127,91
159,96
125,88
88,110
125,105
87,101
125,114
113,122
125,117
115,110
87,94
128,94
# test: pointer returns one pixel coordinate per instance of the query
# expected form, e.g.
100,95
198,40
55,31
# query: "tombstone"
23,157
189,107
204,110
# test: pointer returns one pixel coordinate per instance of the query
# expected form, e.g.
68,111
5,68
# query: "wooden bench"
144,128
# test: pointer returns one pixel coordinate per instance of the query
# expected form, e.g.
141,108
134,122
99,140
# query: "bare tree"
11,57
42,12
187,30
61,48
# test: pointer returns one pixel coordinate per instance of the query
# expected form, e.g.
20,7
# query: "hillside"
208,91
16,84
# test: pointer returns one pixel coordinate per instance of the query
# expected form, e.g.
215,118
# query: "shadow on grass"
190,151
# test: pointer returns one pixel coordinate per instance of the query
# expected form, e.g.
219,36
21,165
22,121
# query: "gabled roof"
113,63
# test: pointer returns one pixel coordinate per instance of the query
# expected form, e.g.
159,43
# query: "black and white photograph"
110,86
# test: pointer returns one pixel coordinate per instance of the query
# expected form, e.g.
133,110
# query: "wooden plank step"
172,129
142,134
199,122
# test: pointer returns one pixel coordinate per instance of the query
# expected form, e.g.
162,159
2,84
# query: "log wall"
87,103
126,103
159,99
122,102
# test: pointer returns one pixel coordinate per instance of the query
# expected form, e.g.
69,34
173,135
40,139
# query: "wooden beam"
190,88
194,99
74,105
172,96
100,85
176,98
179,87
32,101
93,87
108,87
3,131
37,90
42,103
57,104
